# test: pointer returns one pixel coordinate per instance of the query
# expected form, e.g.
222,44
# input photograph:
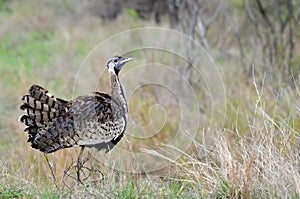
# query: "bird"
94,120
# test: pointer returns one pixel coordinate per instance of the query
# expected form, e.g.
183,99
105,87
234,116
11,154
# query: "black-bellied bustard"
97,119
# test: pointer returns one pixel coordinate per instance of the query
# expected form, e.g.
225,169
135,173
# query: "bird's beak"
125,60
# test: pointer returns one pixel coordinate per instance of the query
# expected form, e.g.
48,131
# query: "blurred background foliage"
44,42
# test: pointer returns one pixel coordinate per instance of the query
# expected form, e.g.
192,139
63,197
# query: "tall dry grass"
254,155
260,163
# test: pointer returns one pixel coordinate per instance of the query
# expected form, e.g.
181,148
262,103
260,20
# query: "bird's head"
116,63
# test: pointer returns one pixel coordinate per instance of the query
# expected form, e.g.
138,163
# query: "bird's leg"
79,165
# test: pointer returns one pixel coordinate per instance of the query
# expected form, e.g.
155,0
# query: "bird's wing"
60,134
90,120
100,120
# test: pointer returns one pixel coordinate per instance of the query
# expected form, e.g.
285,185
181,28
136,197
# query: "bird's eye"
115,60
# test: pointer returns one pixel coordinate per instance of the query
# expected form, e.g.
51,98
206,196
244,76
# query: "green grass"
30,192
32,50
253,155
9,192
130,190
132,13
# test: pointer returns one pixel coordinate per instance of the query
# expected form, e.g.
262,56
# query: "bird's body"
97,119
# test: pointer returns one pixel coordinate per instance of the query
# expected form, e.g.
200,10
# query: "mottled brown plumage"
92,120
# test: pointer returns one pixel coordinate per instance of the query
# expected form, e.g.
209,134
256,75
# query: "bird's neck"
117,91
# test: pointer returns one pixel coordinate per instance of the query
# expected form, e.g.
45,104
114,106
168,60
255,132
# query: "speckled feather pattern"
95,120
54,124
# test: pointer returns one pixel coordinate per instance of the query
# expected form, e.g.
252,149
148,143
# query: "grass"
14,192
254,154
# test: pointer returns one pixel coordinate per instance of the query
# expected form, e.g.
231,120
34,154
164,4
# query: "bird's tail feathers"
41,108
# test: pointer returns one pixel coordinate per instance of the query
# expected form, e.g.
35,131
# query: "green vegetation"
252,154
131,12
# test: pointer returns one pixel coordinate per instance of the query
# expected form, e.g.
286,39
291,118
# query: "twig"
82,173
79,164
52,170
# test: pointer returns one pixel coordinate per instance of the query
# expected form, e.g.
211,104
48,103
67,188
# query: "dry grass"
255,154
261,163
